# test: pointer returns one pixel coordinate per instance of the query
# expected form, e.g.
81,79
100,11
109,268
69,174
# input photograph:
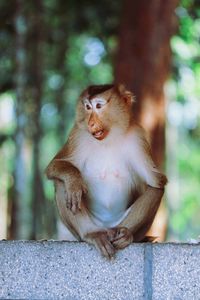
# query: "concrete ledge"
70,270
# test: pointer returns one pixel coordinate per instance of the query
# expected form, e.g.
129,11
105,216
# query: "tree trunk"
60,68
143,63
20,205
39,203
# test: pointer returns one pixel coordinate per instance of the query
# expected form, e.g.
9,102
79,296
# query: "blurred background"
52,49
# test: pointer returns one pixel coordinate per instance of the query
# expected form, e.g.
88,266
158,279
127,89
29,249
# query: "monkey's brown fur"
108,188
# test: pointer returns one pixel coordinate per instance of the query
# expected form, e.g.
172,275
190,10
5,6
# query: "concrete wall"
70,270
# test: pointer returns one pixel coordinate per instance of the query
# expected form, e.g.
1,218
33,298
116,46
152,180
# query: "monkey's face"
104,115
105,109
96,117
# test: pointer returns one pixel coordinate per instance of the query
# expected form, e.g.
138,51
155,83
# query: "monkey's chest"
109,190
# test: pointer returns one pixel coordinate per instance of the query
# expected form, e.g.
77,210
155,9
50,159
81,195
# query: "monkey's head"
104,108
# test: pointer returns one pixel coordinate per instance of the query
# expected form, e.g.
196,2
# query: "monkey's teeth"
98,133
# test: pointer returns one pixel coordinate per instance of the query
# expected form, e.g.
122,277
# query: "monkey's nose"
91,124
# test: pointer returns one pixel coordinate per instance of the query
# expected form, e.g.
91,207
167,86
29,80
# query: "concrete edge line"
148,269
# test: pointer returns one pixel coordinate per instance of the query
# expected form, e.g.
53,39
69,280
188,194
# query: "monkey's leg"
139,219
81,224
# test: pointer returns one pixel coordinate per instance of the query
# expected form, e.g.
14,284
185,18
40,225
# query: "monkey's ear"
126,95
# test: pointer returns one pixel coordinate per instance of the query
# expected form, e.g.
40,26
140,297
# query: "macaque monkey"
108,188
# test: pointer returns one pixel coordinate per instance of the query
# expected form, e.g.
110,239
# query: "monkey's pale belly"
109,198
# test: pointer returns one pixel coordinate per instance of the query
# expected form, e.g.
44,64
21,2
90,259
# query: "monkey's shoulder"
136,131
137,139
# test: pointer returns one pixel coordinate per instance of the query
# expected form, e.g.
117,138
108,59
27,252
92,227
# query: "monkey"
107,186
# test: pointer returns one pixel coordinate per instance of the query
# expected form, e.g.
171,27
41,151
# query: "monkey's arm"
142,213
143,163
60,168
143,210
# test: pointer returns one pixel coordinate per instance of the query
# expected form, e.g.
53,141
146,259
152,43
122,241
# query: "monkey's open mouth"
100,134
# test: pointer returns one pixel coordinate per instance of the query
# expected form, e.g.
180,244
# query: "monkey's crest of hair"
94,90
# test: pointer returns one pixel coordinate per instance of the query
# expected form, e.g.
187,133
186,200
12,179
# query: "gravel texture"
68,270
176,272
76,271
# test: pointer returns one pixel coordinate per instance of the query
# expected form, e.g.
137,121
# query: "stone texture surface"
176,272
68,270
76,271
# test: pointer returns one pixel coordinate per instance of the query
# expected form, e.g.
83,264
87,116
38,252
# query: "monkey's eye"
98,105
87,106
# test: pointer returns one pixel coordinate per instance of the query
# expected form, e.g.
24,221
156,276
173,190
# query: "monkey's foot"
102,242
121,238
149,239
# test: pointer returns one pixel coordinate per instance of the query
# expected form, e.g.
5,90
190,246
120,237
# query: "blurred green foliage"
90,31
185,216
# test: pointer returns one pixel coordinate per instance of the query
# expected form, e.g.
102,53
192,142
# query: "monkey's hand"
120,237
74,191
101,240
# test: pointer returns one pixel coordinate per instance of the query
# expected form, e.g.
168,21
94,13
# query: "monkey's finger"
69,201
110,250
104,251
74,203
112,233
123,242
84,188
69,206
123,238
79,199
120,233
106,248
74,209
117,234
99,245
66,197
